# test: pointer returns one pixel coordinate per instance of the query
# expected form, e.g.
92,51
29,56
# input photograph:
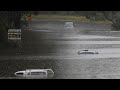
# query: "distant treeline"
12,19
92,15
83,13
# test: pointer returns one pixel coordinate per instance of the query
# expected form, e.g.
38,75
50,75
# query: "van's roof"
37,69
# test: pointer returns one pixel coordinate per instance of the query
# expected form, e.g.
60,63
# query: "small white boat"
35,73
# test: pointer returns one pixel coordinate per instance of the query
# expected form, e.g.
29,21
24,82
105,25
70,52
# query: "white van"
34,73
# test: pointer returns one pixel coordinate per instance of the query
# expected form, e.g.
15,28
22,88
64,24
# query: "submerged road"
49,45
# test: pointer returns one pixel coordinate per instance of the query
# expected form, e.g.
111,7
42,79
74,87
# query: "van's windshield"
19,73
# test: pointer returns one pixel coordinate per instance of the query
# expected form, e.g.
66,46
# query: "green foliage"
3,33
114,17
116,26
36,13
9,19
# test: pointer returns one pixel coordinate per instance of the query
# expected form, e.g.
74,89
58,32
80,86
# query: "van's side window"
38,73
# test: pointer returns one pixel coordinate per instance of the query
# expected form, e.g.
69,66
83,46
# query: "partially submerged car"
35,73
87,52
69,25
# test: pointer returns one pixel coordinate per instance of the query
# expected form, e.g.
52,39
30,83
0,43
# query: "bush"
116,25
100,18
36,13
3,34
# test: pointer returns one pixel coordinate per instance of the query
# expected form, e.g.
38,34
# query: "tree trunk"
17,20
14,18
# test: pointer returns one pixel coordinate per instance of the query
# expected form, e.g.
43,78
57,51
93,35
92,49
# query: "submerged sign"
14,34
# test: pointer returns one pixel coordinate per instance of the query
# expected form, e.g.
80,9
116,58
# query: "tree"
114,17
3,26
10,19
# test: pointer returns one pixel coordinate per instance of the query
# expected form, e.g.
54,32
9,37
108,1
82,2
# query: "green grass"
65,18
59,17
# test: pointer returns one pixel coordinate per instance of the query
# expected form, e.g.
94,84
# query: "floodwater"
49,45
